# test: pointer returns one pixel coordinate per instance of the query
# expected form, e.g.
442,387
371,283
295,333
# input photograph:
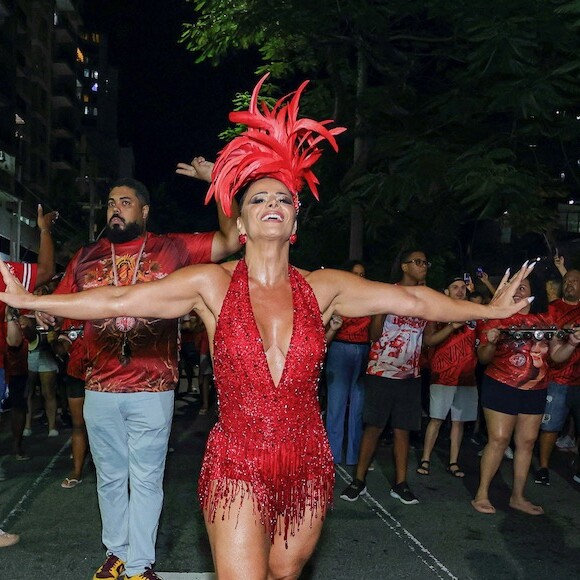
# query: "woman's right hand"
15,294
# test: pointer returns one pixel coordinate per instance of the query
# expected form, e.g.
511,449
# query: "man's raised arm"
46,263
226,241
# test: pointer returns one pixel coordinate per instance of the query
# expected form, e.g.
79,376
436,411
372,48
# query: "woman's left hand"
502,304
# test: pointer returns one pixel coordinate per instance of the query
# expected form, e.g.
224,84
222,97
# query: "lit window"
95,111
86,73
86,110
96,74
85,98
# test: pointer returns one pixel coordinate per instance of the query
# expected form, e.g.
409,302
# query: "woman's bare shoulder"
324,275
209,270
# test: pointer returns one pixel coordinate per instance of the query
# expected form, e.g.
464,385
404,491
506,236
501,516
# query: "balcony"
62,68
62,102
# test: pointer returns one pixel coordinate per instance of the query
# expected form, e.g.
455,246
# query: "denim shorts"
556,407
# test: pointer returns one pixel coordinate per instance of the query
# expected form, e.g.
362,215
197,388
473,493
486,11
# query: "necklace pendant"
125,323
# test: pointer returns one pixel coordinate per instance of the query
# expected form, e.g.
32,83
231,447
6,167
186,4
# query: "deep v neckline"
264,357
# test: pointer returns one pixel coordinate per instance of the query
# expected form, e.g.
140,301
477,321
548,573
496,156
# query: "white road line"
18,508
186,575
395,526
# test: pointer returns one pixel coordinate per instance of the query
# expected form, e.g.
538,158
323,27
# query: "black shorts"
502,398
396,399
75,388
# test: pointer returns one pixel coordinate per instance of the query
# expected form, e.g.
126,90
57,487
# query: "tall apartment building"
57,120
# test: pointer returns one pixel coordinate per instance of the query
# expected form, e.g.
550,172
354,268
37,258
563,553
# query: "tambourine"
73,333
535,333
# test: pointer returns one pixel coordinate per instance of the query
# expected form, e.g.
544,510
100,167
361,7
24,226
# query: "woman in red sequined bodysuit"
268,470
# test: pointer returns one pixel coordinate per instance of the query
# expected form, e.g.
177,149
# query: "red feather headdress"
276,144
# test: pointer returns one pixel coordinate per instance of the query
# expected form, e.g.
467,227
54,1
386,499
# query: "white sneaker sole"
405,501
346,498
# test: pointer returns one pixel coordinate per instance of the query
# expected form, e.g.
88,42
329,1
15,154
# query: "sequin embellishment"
269,445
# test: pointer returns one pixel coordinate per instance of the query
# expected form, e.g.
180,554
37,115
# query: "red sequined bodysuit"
269,444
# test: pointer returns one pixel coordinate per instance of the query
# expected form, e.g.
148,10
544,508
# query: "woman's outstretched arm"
170,297
342,293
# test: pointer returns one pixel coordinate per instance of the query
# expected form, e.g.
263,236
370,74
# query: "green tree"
457,110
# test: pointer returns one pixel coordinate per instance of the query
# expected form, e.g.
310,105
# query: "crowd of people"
520,373
268,472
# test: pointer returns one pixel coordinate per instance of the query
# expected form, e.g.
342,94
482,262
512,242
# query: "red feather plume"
276,144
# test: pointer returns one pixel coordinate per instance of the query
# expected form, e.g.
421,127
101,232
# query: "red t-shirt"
453,361
522,364
152,364
354,329
77,363
567,373
26,273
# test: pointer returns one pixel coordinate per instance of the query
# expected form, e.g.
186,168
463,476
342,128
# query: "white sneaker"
508,453
27,433
565,442
53,433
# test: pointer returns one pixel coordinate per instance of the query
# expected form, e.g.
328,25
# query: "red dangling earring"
292,239
243,239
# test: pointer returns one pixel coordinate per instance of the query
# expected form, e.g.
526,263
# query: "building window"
86,73
95,88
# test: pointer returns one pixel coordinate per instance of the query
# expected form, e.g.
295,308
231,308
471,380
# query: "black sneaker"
356,488
542,476
402,492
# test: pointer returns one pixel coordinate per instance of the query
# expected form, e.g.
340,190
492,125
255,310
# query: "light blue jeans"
128,435
345,365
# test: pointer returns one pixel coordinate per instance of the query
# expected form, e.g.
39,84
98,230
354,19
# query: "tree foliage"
457,110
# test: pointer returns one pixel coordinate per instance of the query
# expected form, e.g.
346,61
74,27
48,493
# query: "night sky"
170,108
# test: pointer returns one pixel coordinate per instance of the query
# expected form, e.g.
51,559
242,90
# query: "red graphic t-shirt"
354,329
151,363
567,373
453,361
26,273
522,363
396,354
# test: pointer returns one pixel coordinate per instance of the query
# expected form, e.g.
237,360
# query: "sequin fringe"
280,486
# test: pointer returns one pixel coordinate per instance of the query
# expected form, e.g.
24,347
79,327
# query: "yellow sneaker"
111,569
146,575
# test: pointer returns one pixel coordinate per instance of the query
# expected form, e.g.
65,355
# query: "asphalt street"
375,537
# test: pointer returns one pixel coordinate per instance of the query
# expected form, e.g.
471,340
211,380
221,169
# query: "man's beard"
131,231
